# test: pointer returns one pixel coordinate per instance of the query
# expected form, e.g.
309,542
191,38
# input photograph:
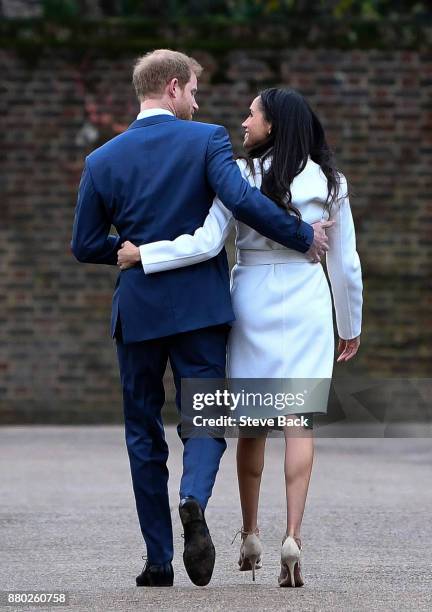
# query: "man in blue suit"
156,181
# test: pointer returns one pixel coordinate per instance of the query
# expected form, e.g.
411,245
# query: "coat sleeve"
344,270
206,242
91,240
247,203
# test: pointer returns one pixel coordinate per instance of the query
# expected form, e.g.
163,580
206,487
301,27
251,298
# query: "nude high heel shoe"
290,557
250,551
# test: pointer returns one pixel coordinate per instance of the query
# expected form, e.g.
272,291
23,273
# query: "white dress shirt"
150,112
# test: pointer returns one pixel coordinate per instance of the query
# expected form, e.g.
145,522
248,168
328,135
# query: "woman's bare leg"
250,464
299,453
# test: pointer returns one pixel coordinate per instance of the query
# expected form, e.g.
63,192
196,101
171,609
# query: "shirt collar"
150,112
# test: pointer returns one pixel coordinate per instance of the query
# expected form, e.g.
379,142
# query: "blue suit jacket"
156,181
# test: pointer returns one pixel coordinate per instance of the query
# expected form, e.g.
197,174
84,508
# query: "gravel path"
68,522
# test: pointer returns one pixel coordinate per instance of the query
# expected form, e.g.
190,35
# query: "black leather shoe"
199,553
156,576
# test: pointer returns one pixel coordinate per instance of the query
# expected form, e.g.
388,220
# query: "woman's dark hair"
296,133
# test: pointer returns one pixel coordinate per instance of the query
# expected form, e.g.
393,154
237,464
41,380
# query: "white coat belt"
255,257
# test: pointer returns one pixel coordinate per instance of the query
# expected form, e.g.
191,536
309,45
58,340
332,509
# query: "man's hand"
320,242
128,256
347,348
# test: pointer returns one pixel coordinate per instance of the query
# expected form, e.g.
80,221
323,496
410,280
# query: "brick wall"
57,361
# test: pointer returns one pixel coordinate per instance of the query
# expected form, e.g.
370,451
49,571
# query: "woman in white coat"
282,302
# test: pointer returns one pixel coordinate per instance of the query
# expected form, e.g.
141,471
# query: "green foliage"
374,9
130,25
237,10
59,10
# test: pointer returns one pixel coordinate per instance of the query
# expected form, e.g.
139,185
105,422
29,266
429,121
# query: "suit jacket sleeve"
344,270
247,203
186,250
91,241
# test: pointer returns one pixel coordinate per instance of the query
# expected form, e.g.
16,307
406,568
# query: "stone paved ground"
68,522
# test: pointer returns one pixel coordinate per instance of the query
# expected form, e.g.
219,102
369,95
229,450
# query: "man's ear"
173,87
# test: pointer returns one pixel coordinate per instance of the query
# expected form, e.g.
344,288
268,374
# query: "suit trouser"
195,354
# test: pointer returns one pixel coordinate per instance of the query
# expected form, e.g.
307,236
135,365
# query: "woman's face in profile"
257,129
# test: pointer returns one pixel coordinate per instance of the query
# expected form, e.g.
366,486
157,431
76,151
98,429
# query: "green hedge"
215,34
239,10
